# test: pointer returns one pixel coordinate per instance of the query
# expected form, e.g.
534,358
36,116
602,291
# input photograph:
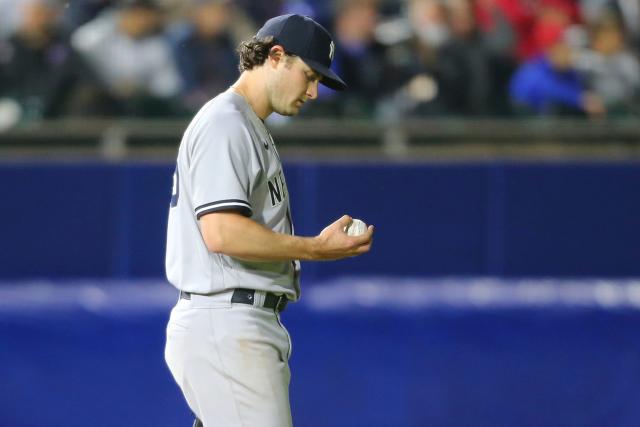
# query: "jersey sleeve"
221,167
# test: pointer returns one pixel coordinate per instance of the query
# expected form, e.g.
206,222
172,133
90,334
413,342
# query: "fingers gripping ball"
356,228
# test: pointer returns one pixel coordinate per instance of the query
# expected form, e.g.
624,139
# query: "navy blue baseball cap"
302,36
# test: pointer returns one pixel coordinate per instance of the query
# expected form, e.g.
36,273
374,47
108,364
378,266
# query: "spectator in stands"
464,65
549,84
562,13
359,59
521,16
413,63
500,39
204,51
509,22
626,11
133,59
611,70
40,73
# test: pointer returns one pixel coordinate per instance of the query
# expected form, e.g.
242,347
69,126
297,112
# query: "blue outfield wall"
393,344
366,352
105,220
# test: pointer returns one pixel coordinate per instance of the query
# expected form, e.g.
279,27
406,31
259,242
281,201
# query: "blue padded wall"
106,220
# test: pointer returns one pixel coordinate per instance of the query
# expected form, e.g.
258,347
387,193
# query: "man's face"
211,19
139,22
37,17
608,40
561,56
291,85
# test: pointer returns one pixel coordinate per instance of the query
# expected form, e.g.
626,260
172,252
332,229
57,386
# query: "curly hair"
254,52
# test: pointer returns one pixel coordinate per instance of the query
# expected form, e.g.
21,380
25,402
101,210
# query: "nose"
312,90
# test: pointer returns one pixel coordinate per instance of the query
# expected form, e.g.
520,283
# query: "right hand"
334,243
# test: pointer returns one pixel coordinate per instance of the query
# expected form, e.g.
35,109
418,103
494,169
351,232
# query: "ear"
276,54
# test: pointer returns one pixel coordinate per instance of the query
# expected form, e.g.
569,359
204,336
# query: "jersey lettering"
274,191
277,190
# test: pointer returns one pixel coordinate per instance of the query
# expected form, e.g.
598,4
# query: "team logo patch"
332,49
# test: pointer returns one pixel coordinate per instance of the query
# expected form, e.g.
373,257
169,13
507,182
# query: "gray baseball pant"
230,361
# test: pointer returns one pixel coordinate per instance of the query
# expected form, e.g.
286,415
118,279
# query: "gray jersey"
227,161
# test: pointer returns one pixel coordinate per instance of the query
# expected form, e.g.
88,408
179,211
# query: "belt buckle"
281,304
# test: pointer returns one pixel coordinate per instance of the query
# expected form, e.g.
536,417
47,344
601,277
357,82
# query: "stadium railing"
409,139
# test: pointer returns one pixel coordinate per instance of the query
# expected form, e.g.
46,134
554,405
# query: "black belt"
247,296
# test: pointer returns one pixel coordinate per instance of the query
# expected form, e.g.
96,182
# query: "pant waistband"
249,296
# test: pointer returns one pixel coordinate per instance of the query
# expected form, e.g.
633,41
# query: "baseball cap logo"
302,36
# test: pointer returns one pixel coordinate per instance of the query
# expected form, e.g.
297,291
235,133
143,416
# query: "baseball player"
231,249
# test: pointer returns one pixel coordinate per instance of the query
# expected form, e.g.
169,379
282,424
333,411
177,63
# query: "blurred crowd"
401,58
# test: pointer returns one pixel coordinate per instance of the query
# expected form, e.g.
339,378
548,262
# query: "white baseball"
356,228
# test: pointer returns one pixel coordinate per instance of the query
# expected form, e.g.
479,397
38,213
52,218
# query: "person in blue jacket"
549,84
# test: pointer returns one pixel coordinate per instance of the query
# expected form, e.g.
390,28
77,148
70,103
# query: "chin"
289,112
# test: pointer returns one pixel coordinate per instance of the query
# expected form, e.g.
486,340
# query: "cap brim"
329,78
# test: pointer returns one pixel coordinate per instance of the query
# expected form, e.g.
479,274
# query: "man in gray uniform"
231,249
